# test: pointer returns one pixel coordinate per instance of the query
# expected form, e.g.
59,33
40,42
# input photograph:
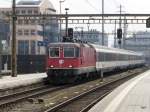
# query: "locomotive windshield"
54,52
69,52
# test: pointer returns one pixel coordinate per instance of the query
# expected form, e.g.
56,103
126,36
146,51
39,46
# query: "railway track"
7,100
62,98
8,91
84,101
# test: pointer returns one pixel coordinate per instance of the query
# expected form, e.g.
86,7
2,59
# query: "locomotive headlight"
70,66
51,66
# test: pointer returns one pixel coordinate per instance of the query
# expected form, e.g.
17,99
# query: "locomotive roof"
71,43
99,48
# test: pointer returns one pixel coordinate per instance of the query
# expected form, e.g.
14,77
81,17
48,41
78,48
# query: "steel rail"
12,98
94,102
63,104
3,97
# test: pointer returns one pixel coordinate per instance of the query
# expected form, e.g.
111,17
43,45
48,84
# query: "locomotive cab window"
69,52
54,52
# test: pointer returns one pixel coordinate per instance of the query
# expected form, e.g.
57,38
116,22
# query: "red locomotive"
68,61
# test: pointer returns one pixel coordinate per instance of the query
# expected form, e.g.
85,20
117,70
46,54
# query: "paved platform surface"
21,80
132,96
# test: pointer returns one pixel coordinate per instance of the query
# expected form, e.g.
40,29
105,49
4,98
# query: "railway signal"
119,33
70,33
148,23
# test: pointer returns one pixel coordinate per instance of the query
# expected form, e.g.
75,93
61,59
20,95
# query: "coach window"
101,56
54,52
69,52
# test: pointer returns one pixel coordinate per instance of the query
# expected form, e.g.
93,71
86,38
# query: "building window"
26,21
23,47
20,47
20,22
3,12
17,12
35,12
19,32
29,11
33,32
32,21
26,45
23,11
33,46
26,32
7,12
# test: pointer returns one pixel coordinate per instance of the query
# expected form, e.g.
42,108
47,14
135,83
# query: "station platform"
132,96
7,82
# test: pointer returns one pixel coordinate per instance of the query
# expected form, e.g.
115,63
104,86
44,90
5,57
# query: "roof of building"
22,2
35,3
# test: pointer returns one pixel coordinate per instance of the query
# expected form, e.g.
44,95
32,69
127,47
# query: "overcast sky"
94,6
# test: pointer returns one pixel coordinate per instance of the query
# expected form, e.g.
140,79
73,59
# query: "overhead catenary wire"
91,5
120,2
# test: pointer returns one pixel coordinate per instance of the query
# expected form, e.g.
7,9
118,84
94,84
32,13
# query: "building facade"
139,42
30,32
4,35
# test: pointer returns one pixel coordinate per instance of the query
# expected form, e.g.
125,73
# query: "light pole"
66,32
59,39
102,22
115,37
13,51
102,34
120,27
88,26
0,53
44,28
125,32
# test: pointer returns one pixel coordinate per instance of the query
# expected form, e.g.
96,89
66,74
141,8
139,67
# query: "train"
70,61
